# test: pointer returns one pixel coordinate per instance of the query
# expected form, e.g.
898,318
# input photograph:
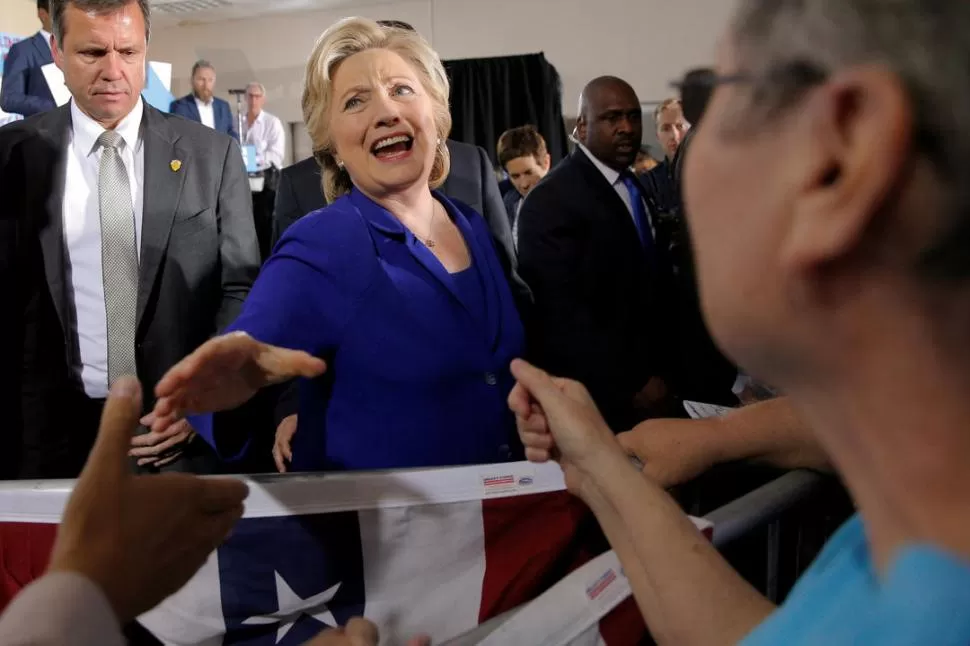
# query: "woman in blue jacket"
391,301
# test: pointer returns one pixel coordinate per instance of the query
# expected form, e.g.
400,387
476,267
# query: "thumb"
109,457
535,380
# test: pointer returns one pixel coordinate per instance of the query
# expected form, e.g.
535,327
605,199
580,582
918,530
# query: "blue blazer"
24,89
414,378
185,107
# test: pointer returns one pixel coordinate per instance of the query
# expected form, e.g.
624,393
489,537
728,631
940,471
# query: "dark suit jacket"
600,306
24,89
198,260
471,181
186,107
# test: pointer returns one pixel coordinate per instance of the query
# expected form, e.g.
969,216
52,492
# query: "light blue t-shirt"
923,599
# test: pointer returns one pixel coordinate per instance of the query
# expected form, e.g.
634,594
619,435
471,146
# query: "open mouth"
392,147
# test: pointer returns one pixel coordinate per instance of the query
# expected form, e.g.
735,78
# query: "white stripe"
300,494
568,609
193,615
431,558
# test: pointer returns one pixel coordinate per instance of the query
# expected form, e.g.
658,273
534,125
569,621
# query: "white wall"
18,17
647,42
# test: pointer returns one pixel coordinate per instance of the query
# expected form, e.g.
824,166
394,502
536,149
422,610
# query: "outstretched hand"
139,538
225,372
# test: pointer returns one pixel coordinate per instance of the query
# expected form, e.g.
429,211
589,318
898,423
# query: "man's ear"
545,162
581,128
857,132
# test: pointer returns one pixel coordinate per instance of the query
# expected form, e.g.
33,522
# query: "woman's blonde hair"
342,40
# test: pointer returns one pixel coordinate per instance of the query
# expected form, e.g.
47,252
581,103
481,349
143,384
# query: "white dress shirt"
616,182
206,112
267,136
82,233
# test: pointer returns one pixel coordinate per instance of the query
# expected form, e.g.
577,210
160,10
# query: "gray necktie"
119,260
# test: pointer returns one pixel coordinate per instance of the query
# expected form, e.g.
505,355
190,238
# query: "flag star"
292,606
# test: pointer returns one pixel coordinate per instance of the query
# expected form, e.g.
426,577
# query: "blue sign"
156,92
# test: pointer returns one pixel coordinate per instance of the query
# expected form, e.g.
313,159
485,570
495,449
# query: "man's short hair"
524,141
98,7
202,64
257,85
659,110
789,45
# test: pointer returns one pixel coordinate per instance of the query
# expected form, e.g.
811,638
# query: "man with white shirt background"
588,249
128,242
264,132
24,90
202,105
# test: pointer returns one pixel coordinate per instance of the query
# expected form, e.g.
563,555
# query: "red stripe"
25,549
624,626
532,542
602,584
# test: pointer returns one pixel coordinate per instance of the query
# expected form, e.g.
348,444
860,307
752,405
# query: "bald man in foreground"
587,250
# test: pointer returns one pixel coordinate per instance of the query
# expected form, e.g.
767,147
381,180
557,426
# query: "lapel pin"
175,165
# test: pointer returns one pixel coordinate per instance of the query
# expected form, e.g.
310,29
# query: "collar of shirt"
46,35
258,121
611,175
86,130
202,104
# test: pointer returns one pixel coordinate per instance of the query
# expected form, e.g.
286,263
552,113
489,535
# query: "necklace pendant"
429,243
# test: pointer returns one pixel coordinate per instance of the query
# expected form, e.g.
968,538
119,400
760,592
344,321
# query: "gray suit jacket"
198,260
60,609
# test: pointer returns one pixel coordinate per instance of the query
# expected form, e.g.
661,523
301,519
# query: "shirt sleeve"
62,609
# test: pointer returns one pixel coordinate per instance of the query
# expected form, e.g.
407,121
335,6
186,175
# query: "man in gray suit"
127,241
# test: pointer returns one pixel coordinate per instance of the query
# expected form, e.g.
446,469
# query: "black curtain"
491,95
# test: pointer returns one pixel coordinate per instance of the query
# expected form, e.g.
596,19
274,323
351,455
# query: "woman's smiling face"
382,123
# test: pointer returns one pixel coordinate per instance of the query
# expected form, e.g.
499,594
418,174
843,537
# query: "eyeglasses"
699,84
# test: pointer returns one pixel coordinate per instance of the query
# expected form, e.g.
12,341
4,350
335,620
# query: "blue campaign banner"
6,40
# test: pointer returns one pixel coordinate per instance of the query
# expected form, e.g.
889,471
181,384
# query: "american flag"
439,552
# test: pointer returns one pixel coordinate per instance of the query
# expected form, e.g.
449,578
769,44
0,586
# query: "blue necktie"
639,213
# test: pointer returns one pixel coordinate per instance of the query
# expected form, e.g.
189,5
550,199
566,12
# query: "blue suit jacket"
185,107
24,89
414,379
